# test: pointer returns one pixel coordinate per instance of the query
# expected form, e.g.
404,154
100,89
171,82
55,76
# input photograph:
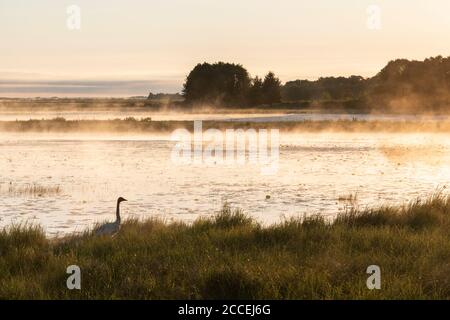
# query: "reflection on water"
315,171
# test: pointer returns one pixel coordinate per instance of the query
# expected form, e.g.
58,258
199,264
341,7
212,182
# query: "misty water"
316,173
139,113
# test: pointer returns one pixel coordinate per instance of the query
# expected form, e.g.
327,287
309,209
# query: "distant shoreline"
138,115
132,125
166,105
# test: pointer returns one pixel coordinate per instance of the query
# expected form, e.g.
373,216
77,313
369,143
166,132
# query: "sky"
131,47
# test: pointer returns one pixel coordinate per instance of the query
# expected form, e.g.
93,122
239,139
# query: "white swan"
111,228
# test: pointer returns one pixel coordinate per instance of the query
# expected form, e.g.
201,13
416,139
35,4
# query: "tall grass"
232,256
31,190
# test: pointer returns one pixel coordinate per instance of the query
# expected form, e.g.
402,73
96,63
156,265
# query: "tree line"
329,88
412,85
401,84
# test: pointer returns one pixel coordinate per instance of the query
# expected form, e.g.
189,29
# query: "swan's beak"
124,200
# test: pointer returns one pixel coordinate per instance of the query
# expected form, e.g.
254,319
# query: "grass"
351,198
232,256
31,190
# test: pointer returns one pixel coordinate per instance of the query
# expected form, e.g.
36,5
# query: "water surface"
315,171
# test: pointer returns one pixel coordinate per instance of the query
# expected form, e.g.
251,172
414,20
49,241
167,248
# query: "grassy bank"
132,125
232,256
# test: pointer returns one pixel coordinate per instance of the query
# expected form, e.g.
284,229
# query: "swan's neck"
118,212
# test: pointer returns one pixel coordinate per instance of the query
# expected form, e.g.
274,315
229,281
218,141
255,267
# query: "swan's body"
111,228
108,229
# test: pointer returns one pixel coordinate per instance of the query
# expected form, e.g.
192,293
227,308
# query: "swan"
111,228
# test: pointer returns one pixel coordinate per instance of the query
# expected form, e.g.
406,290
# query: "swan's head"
121,200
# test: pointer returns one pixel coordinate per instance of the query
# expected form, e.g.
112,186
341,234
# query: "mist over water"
316,172
206,114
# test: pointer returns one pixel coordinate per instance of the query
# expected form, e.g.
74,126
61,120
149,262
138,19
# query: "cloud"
82,88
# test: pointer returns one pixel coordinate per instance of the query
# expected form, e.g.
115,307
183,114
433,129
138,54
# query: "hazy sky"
161,40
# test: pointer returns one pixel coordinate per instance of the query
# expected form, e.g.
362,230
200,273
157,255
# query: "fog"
65,170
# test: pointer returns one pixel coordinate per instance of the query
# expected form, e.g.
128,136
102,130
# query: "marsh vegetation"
30,190
232,256
135,125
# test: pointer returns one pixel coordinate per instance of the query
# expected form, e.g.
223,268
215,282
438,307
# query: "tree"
255,94
271,88
219,83
404,85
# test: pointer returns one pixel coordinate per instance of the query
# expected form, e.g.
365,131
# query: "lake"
317,173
